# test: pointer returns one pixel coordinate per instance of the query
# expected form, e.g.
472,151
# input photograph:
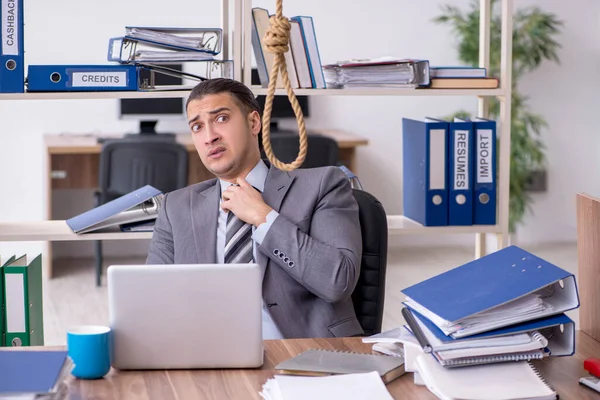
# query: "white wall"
399,28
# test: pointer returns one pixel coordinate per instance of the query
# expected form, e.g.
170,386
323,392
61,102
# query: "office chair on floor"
128,164
322,150
369,295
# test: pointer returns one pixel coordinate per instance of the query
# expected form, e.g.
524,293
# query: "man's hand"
246,203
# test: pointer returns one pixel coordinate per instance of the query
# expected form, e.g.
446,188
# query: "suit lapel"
277,185
205,211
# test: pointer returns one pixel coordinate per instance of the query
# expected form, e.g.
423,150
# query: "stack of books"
459,77
493,315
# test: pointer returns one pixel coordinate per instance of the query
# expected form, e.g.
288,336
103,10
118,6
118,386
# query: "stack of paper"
506,306
343,387
381,72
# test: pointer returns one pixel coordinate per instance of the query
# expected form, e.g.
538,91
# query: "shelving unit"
237,47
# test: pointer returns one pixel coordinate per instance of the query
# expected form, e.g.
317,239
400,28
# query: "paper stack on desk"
343,387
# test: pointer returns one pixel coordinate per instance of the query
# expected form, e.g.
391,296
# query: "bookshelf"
236,24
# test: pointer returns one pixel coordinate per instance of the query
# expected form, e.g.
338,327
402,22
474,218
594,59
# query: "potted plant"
534,41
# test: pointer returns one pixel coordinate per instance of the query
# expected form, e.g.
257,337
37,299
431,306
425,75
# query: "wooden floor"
71,298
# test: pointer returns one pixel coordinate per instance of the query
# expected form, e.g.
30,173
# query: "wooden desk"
562,373
73,163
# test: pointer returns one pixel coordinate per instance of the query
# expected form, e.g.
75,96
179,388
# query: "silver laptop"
185,316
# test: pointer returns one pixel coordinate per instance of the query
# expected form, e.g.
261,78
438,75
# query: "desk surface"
562,373
87,144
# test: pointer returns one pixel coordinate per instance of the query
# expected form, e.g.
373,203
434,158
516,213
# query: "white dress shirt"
256,178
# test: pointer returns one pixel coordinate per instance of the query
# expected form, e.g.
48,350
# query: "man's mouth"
216,152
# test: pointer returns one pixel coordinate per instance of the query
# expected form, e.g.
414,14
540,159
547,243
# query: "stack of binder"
21,300
450,171
382,72
507,306
141,52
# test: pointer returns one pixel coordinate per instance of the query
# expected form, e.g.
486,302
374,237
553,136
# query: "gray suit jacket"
312,251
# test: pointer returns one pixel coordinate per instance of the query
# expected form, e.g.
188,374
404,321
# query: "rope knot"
277,37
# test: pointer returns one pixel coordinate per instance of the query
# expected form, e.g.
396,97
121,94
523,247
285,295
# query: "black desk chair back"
322,150
128,164
369,295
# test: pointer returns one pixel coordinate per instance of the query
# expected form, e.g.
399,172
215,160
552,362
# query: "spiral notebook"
506,381
319,362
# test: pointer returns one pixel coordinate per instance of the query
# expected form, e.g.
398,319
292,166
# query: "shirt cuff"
261,231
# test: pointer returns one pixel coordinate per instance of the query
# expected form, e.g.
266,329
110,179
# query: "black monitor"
281,105
150,110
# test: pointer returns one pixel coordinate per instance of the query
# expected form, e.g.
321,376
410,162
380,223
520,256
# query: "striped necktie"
238,240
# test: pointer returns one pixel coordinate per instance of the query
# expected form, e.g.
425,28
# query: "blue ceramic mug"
89,349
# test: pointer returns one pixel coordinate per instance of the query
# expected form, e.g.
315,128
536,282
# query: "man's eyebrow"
194,119
212,112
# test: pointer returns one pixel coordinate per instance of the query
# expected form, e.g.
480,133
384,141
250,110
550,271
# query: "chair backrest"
128,164
369,295
323,151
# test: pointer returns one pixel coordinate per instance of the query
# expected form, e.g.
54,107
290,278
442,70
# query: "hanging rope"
277,41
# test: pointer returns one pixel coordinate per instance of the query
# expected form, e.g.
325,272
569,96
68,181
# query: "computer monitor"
150,110
282,107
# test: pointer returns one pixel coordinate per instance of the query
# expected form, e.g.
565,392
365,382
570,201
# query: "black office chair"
131,163
322,150
369,295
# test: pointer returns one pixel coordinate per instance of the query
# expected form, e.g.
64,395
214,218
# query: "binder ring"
11,65
461,199
17,342
484,198
437,200
55,77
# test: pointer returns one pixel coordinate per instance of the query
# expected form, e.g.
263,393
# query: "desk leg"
347,157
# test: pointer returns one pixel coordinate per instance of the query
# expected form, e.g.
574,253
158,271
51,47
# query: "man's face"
224,136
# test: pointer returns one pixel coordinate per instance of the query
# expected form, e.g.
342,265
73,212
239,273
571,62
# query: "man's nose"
211,135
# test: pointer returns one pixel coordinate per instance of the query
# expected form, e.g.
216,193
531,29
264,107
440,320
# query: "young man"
301,227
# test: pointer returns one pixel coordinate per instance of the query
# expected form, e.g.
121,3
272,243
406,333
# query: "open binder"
141,205
501,289
551,336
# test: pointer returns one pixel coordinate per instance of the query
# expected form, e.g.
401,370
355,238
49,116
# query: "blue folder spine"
12,67
82,78
460,183
425,152
485,176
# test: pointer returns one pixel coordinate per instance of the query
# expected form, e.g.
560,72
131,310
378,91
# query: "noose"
277,41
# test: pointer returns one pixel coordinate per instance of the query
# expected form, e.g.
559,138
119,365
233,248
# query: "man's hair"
241,94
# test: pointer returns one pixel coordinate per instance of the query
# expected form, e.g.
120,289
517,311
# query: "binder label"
461,160
437,159
101,78
15,302
10,27
484,156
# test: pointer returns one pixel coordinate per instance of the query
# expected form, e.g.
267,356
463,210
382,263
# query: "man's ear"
254,122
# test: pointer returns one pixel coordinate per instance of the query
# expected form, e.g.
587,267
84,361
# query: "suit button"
281,255
291,264
286,260
276,252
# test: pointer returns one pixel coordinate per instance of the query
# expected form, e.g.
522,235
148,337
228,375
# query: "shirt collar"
256,177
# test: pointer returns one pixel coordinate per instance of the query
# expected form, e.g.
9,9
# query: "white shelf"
257,91
401,225
385,92
93,95
56,231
